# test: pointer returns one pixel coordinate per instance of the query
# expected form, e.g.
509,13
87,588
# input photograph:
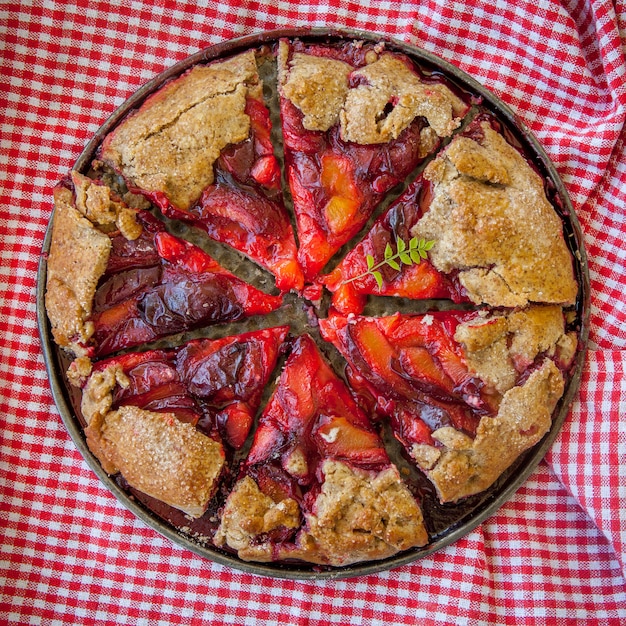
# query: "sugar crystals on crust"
170,144
154,451
492,222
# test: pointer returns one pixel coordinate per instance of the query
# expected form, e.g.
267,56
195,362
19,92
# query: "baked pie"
307,421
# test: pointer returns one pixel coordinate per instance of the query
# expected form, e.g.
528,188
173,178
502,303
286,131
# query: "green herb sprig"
405,254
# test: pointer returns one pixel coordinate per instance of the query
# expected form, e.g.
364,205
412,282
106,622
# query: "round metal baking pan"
448,522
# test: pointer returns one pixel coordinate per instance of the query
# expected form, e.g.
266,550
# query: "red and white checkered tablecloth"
70,553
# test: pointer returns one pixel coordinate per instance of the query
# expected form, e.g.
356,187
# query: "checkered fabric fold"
555,553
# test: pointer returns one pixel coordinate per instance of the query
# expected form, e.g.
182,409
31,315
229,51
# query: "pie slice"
492,223
200,149
122,282
356,121
161,417
407,274
318,485
466,392
492,235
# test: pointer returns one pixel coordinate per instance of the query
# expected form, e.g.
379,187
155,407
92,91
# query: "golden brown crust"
248,513
171,143
357,516
315,85
155,452
318,86
492,222
496,348
463,466
360,517
95,202
78,257
364,119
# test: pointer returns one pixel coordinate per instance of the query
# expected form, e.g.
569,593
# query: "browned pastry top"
491,221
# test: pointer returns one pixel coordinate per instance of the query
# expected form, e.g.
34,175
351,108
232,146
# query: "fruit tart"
356,121
161,418
129,281
327,426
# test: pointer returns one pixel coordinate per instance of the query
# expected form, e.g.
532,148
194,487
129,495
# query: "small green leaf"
415,256
379,279
414,252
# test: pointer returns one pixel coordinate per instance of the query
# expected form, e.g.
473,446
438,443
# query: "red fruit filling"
310,417
214,384
351,282
336,185
170,286
411,370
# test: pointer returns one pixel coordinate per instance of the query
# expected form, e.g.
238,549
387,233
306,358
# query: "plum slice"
214,384
168,287
412,369
316,417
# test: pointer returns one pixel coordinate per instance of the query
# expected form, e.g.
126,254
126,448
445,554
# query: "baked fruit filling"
400,259
265,425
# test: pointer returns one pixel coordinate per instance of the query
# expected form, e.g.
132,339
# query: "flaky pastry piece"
359,515
84,212
79,252
155,452
330,91
461,466
492,222
170,144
